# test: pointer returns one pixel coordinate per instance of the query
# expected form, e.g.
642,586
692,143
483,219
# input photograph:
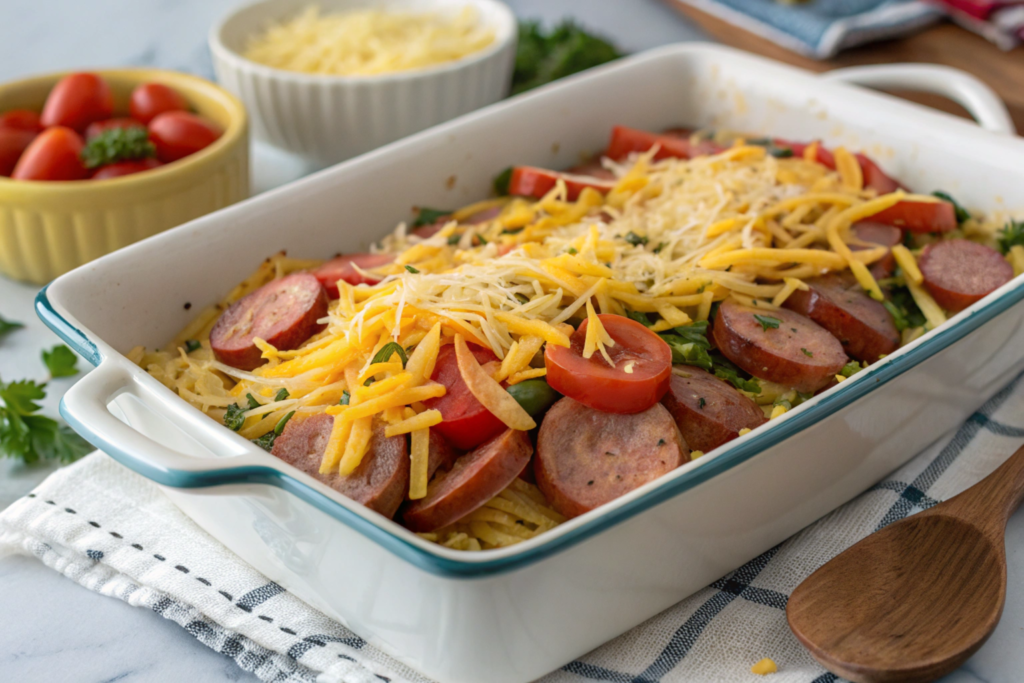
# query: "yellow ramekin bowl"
50,227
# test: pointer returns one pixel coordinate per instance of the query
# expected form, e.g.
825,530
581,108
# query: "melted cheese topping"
368,42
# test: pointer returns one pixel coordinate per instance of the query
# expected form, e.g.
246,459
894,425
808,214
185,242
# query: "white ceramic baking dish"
510,615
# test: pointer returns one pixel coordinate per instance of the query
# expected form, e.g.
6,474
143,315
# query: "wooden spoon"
915,600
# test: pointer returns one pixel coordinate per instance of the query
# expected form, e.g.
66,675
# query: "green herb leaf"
640,317
481,239
345,398
8,326
772,149
253,403
425,216
33,437
689,344
522,298
903,308
809,354
453,239
266,442
61,361
192,345
701,403
233,418
502,181
412,270
635,239
1011,235
851,369
962,214
281,395
118,144
388,350
542,57
767,322
661,245
730,373
573,251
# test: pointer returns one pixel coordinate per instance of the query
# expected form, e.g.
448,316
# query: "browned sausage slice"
959,272
862,325
381,481
475,478
878,234
284,313
586,458
798,353
708,411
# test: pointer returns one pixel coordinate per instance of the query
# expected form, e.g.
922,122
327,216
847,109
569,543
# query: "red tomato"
875,177
22,119
177,134
151,99
600,386
123,168
594,169
919,216
627,140
344,268
76,101
12,143
98,127
54,155
824,156
529,181
467,424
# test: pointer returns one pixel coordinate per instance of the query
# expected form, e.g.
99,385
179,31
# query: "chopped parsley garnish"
118,144
807,353
689,343
60,361
281,395
772,149
266,442
904,310
962,214
661,245
730,373
388,350
635,239
545,56
234,418
481,239
502,181
453,239
640,317
1011,235
8,326
31,437
191,345
345,397
522,298
767,322
851,369
425,216
701,403
572,250
412,270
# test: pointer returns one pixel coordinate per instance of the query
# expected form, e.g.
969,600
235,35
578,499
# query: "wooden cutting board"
944,43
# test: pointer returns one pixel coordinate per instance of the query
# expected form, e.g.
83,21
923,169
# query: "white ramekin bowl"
328,119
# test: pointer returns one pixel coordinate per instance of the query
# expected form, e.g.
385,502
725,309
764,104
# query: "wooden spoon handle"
990,502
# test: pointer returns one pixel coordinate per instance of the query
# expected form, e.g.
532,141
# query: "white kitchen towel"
115,533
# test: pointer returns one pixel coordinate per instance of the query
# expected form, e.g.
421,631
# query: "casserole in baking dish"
512,614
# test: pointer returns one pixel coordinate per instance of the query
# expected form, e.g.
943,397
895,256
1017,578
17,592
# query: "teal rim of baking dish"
870,378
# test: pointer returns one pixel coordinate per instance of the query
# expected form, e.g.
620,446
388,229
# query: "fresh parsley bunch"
32,437
542,56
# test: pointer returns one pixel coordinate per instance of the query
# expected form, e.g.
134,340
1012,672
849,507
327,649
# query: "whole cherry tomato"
152,99
12,143
54,155
76,101
177,134
98,127
22,119
123,168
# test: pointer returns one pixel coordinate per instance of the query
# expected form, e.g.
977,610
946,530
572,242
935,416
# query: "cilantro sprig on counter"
545,56
8,326
32,437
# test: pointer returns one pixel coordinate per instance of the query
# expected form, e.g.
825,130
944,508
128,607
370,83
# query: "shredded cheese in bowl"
369,42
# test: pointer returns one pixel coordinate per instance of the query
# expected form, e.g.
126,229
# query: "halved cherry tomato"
55,154
875,177
13,141
638,380
123,168
530,181
467,424
76,101
628,140
344,268
593,169
152,99
99,127
919,216
177,134
22,119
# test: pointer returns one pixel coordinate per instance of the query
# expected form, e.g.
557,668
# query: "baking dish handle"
85,408
970,93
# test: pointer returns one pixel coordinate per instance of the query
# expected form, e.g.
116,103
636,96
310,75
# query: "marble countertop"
50,628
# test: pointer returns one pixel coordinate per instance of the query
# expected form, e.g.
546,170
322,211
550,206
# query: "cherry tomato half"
123,168
467,424
600,386
919,216
152,99
97,128
530,181
76,101
13,143
177,134
875,177
22,119
627,140
344,268
55,154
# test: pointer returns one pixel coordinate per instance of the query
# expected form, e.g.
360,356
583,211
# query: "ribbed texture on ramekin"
328,120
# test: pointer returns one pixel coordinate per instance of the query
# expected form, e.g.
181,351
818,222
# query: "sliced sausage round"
467,423
475,478
880,235
708,411
284,313
381,481
780,346
586,458
862,325
959,272
344,268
